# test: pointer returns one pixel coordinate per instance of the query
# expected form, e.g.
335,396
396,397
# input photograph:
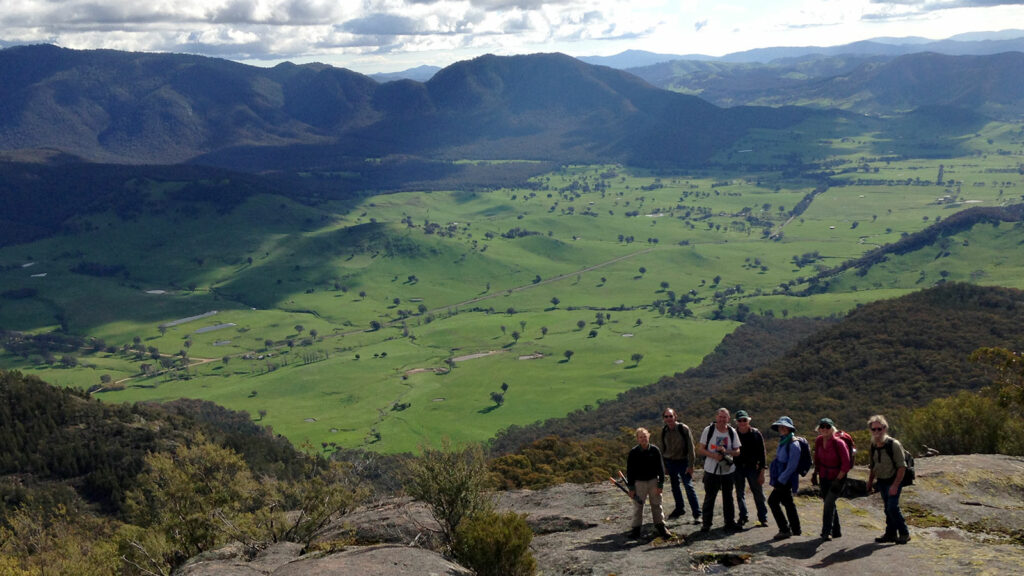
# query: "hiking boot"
762,523
742,521
782,535
903,538
705,528
662,531
696,520
885,538
635,532
733,527
676,514
837,534
825,537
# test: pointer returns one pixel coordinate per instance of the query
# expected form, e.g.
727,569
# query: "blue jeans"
748,475
676,470
895,524
830,516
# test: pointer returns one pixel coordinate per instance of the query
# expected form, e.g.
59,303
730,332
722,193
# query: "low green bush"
967,423
495,544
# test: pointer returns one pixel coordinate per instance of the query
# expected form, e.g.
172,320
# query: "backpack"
845,437
909,474
805,456
687,440
711,434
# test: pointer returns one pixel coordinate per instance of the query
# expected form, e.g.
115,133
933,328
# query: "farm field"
422,315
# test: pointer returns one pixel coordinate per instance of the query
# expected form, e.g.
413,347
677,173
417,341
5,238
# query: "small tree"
555,301
299,328
498,398
636,358
452,482
568,355
1008,373
543,330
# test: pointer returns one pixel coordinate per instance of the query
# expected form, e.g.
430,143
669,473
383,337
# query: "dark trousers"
748,475
712,484
676,470
895,524
782,497
830,491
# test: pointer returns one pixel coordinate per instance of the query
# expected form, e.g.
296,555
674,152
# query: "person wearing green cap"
750,469
831,465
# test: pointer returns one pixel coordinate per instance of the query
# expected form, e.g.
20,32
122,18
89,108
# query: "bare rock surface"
966,515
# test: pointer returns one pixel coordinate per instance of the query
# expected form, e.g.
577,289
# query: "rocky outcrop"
965,512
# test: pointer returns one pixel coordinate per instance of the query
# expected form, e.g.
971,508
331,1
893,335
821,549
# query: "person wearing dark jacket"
750,468
645,477
676,446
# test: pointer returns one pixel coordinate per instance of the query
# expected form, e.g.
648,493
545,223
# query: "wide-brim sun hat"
783,421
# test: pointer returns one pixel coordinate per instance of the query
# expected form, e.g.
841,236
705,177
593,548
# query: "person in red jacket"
831,465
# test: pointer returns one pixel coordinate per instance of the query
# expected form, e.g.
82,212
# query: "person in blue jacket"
785,480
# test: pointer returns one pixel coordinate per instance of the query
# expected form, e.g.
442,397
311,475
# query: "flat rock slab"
966,514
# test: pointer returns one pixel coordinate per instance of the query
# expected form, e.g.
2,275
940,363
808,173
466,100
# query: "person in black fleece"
645,477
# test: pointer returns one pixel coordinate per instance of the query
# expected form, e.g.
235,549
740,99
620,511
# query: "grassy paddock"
337,324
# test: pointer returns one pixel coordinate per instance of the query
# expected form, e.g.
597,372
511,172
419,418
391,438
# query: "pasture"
341,327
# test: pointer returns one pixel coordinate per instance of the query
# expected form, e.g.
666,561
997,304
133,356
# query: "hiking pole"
623,488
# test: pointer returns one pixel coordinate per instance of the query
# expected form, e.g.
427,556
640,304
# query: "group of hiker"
735,458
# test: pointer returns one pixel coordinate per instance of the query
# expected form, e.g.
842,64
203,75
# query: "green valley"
416,315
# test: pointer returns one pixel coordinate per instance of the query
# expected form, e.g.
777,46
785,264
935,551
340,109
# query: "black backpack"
711,434
805,456
687,441
910,474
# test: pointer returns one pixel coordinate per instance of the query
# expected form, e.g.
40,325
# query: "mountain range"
973,43
119,107
132,108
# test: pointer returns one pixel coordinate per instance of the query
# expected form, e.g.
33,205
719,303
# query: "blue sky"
389,35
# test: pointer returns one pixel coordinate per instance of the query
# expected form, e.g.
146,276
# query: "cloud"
383,24
922,6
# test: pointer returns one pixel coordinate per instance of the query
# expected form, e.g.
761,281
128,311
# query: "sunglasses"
743,419
824,426
873,429
668,416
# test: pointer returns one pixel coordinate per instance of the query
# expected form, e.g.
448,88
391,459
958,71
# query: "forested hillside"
58,436
108,106
884,357
872,84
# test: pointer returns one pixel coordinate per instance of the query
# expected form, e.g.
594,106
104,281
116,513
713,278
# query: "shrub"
967,423
495,544
452,482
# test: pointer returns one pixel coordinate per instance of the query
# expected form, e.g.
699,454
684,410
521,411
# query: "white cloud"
436,31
